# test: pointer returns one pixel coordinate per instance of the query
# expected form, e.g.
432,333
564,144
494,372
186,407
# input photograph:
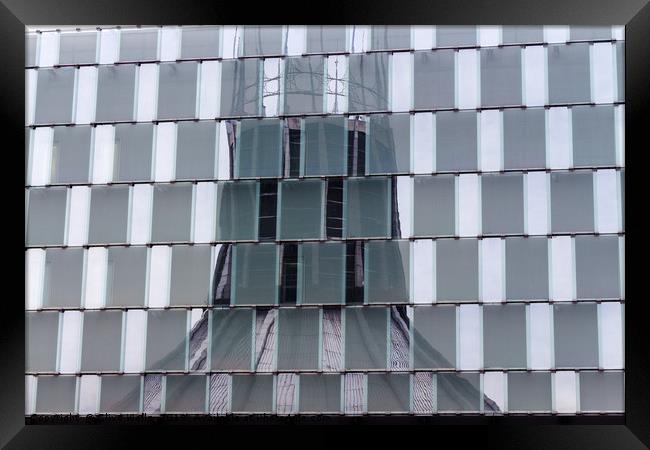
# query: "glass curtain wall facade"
325,220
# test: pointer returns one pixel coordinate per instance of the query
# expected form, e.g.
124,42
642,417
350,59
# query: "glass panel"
71,154
262,40
368,82
139,45
46,216
185,393
620,70
41,335
304,84
389,392
177,90
366,338
301,209
320,393
115,92
31,41
434,337
102,340
458,392
54,95
583,33
387,271
133,146
389,143
597,267
502,196
504,336
576,335
200,42
252,393
321,270
572,202
568,73
434,75
63,273
298,339
240,87
436,200
501,76
390,37
195,150
529,391
126,277
368,207
78,48
238,209
166,339
259,149
56,394
457,269
232,333
190,275
120,394
593,136
325,141
255,274
602,391
456,141
455,36
172,212
109,214
526,268
524,138
326,39
522,34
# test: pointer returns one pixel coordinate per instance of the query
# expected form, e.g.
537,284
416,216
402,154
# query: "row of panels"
330,339
355,393
358,83
402,143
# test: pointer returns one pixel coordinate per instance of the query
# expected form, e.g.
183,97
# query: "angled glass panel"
298,338
102,341
31,41
56,394
195,150
504,336
304,84
46,216
368,207
120,394
435,198
456,141
115,92
139,45
389,144
325,143
301,209
366,338
321,272
522,34
185,393
594,142
256,272
585,33
620,70
262,40
368,82
237,210
133,148
389,392
177,90
529,391
190,275
241,86
232,334
71,154
502,196
457,269
524,138
602,391
78,48
434,337
572,202
597,267
54,95
501,76
326,39
576,335
109,214
172,212
458,392
455,36
200,42
41,335
387,271
568,73
252,393
390,37
434,79
126,276
63,275
320,393
166,339
259,149
526,268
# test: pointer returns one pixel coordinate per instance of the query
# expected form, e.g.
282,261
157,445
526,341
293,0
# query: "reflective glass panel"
387,271
177,90
54,95
522,34
41,335
572,202
71,154
120,394
366,338
109,214
172,212
126,276
390,37
388,144
526,268
262,40
597,267
63,276
139,45
320,393
529,391
434,337
232,334
503,203
388,392
200,42
456,141
133,149
458,392
435,197
237,204
252,393
102,340
568,73
593,134
195,150
115,92
46,216
166,339
259,149
321,271
190,275
185,393
326,39
255,277
56,394
457,269
298,338
602,391
301,209
325,146
434,79
241,85
455,36
368,207
504,336
501,76
78,48
304,85
524,138
368,82
576,335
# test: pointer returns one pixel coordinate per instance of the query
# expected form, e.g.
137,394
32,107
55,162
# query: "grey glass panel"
572,202
458,392
259,148
195,150
623,199
455,36
368,207
325,141
237,210
597,267
115,92
298,338
126,276
513,34
576,335
582,33
190,275
252,393
139,45
434,79
435,200
185,393
524,138
301,209
320,393
200,42
255,274
368,82
232,331
46,216
133,146
526,268
304,84
457,269
366,338
504,336
434,337
120,394
41,334
63,274
109,214
389,143
529,391
172,212
501,76
389,392
602,391
390,37
568,73
166,339
594,142
54,95
241,85
56,394
78,48
387,271
456,141
102,341
177,90
502,197
262,40
321,272
31,41
620,71
326,39
71,154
